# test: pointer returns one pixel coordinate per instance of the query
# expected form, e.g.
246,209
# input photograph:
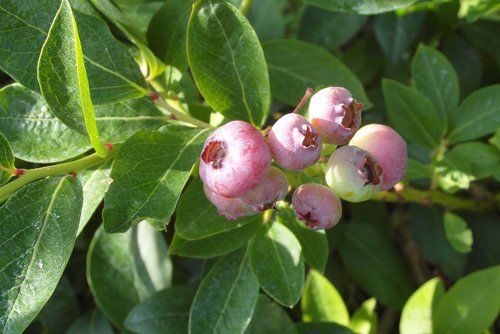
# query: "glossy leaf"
478,115
227,62
412,114
95,182
26,122
226,298
321,27
314,243
416,317
471,305
459,236
382,272
395,33
436,78
91,322
427,229
63,77
166,310
218,244
201,221
167,33
6,160
149,173
321,302
277,262
124,269
38,227
295,65
113,75
269,317
364,320
365,7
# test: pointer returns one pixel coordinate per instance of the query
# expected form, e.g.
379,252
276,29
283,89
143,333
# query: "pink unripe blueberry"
235,158
294,143
353,174
231,208
387,147
317,206
335,113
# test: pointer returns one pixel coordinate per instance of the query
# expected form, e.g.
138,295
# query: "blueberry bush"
239,166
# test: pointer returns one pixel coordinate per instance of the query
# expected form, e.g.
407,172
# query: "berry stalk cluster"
239,179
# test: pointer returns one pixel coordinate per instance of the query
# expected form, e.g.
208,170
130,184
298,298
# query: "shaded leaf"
217,244
435,77
478,115
227,62
124,269
269,317
63,77
38,227
361,6
412,114
295,65
166,310
149,173
226,298
321,302
486,248
416,317
459,236
201,221
6,160
277,262
471,305
267,19
91,322
382,272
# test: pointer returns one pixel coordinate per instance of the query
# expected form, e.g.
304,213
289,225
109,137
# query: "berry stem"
11,171
179,115
429,197
309,92
60,169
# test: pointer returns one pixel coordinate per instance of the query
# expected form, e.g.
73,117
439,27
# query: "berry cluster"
238,178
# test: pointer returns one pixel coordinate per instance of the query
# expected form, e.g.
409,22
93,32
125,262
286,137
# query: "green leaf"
365,60
486,248
314,243
26,122
267,19
91,322
295,65
201,221
416,317
167,309
6,160
459,236
495,140
61,309
269,317
395,33
471,305
95,182
418,170
124,269
364,320
322,302
149,173
38,227
113,74
481,160
322,328
453,175
277,262
226,298
482,35
218,244
167,33
435,77
428,231
321,27
412,114
365,7
63,77
478,115
382,272
227,62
